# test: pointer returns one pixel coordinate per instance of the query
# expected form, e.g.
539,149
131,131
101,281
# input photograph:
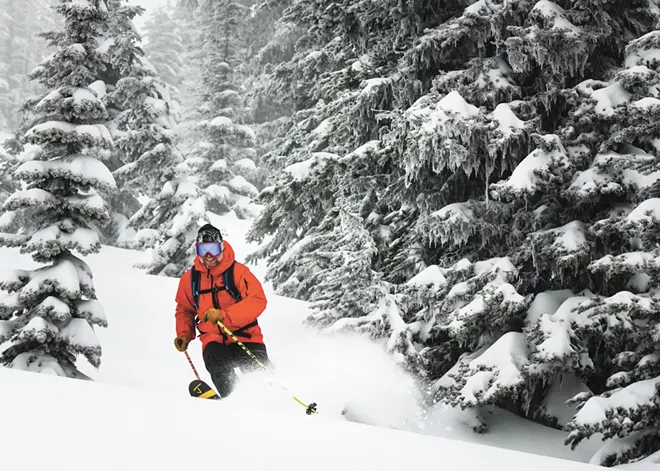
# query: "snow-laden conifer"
165,49
504,146
142,123
220,146
49,313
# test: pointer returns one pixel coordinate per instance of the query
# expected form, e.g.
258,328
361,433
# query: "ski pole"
192,365
310,409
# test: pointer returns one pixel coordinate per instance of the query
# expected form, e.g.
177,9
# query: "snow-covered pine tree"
142,123
21,49
165,49
49,313
169,224
522,92
550,211
542,215
224,147
623,180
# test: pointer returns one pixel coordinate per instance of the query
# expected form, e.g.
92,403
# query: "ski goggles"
212,248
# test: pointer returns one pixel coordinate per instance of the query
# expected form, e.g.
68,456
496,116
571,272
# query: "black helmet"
208,233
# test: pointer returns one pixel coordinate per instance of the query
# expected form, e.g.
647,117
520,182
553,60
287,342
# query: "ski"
200,389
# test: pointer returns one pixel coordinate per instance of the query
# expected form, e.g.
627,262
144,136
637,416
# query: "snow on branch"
564,340
641,223
495,376
545,168
88,135
82,339
561,250
71,102
628,414
645,51
32,197
613,173
93,311
452,225
54,308
640,269
57,238
550,40
38,330
479,297
64,279
80,169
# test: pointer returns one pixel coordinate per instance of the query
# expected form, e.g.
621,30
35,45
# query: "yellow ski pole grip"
310,408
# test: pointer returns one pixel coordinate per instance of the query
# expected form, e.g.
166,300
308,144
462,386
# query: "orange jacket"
237,314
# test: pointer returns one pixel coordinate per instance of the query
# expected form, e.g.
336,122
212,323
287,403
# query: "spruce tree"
482,154
165,49
142,124
49,315
223,154
622,180
21,49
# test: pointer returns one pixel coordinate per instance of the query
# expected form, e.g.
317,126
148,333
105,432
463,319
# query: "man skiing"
236,301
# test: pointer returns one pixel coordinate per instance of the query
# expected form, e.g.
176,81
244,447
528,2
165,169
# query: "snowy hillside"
121,428
141,387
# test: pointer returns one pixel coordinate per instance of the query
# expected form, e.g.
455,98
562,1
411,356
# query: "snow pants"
221,360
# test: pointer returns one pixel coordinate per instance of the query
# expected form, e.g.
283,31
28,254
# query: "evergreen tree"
223,154
165,49
142,124
21,49
49,313
483,153
7,184
169,225
622,180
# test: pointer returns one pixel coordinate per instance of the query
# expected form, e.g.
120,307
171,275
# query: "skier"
218,276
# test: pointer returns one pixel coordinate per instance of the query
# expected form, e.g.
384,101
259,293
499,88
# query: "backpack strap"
194,286
230,283
227,280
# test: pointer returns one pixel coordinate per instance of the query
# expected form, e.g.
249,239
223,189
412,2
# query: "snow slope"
118,428
140,392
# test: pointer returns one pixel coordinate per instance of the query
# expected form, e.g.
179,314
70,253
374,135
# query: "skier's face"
210,261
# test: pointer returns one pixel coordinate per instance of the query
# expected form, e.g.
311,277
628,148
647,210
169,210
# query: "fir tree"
484,150
21,49
169,225
165,49
49,313
223,154
142,124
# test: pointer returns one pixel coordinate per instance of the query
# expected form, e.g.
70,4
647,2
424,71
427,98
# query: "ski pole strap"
192,366
310,409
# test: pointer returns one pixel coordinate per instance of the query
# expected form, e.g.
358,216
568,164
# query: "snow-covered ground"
138,414
61,424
